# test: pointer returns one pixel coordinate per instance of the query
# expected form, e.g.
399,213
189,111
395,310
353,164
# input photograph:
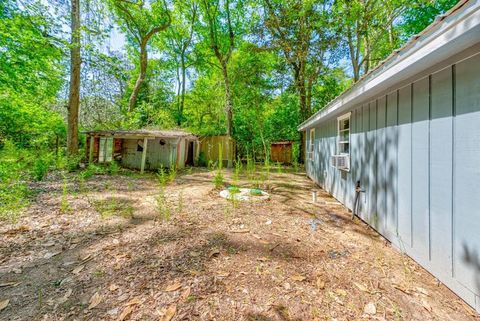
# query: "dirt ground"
106,250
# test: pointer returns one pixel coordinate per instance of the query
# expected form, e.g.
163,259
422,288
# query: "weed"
113,168
218,178
113,206
64,205
163,208
279,168
238,170
162,176
40,166
172,171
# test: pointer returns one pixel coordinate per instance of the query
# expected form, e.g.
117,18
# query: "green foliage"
202,161
113,168
30,76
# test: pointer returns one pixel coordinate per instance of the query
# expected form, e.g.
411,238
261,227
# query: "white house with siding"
409,134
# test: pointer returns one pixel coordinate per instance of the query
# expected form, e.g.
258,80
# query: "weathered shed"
281,152
408,135
210,147
142,149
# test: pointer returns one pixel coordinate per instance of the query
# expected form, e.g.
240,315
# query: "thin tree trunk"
182,94
228,100
74,95
141,77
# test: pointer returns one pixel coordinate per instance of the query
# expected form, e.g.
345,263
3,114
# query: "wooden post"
144,155
90,152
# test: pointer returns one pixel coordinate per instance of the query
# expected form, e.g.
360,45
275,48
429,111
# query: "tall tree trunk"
141,77
228,99
74,95
182,94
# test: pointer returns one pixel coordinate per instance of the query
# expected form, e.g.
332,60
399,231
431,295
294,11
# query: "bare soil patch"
113,255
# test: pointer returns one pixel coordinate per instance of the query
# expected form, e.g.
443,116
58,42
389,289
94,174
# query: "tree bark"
182,94
74,95
228,100
141,77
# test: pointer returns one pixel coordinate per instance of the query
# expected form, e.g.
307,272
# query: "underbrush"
19,168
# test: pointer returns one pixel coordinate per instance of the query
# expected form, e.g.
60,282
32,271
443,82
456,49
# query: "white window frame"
105,150
311,144
340,131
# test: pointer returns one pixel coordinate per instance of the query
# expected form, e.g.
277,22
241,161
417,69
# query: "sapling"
218,178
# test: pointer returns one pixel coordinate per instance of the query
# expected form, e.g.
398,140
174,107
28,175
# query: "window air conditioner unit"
340,161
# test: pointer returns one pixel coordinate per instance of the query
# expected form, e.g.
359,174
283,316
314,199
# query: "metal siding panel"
441,127
420,167
381,180
391,144
372,163
404,167
467,174
366,154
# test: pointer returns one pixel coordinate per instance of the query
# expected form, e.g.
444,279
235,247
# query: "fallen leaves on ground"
173,287
95,300
169,313
4,304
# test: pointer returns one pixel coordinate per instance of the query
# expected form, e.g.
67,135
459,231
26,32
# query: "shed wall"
416,152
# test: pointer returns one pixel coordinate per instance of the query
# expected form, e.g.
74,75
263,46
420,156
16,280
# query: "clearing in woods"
118,248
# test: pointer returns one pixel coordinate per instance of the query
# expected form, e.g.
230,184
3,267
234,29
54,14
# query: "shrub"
113,168
202,160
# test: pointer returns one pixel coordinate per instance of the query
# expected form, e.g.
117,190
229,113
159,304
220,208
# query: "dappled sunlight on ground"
115,254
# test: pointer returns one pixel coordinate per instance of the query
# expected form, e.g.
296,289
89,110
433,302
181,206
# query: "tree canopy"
250,69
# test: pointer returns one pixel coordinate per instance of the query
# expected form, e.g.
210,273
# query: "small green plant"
172,171
113,206
113,168
73,162
64,205
218,178
238,169
251,168
279,168
40,167
202,160
163,207
162,177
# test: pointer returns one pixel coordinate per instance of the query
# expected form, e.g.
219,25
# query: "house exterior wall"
416,151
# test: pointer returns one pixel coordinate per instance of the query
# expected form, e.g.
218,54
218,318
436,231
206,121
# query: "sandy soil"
108,251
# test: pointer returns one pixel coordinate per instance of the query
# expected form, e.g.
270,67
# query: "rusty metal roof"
175,133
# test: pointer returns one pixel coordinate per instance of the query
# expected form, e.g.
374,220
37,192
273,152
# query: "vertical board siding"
404,167
365,182
381,178
441,142
467,173
416,153
372,164
420,167
391,143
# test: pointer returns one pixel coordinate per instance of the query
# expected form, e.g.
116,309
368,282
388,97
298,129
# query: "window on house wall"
105,153
311,144
343,147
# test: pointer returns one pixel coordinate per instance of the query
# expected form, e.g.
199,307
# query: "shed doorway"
189,160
